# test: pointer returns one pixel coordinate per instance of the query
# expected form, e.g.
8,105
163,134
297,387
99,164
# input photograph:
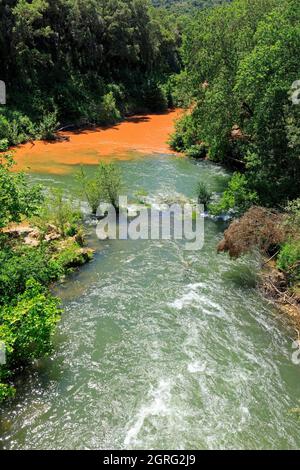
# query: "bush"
185,135
105,186
109,112
60,212
16,128
6,391
26,329
29,324
293,215
89,189
289,259
4,128
203,194
48,126
197,151
4,145
109,179
154,98
237,197
17,197
19,265
70,255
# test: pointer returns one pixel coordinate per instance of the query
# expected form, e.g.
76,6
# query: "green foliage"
293,215
187,6
240,61
15,127
90,189
110,182
6,391
238,197
197,151
28,314
82,62
70,255
289,259
48,126
4,145
26,329
60,212
109,113
20,264
4,127
31,321
154,97
104,186
185,135
17,197
203,194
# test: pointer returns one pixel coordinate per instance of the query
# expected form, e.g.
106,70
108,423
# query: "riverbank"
159,346
135,136
274,285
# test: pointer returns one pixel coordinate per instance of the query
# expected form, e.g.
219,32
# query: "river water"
159,347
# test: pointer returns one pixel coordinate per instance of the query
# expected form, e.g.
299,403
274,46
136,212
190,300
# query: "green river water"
159,347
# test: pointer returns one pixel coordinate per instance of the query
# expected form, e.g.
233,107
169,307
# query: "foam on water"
158,404
160,348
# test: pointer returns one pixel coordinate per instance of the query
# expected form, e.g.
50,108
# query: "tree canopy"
240,62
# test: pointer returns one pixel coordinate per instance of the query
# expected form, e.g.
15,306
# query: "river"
159,347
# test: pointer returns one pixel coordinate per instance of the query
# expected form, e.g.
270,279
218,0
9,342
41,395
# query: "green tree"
17,197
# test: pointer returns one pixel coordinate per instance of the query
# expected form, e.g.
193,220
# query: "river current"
159,347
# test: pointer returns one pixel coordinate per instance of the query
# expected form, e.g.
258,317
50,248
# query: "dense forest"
234,68
187,6
79,62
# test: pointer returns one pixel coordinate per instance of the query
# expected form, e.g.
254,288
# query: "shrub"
154,98
26,329
109,179
70,255
105,186
6,391
21,264
203,194
197,151
4,128
109,112
176,141
293,214
4,145
17,197
29,324
48,126
185,135
237,197
89,189
289,259
60,212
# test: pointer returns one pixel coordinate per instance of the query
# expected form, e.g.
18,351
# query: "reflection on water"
159,347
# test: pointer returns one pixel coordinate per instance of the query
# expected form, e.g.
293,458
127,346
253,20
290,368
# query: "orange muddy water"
136,136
